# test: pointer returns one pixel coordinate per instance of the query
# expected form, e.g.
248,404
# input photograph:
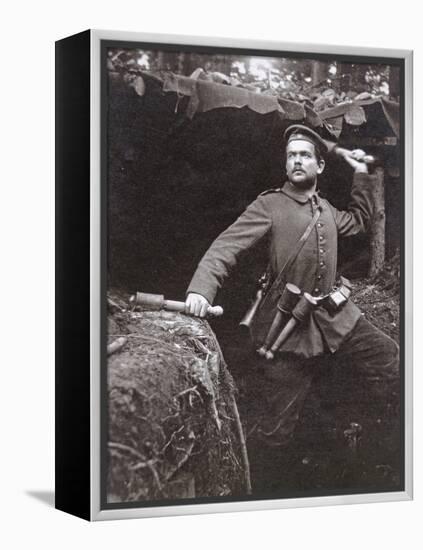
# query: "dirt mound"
174,429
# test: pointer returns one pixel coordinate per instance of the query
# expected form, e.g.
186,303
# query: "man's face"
302,166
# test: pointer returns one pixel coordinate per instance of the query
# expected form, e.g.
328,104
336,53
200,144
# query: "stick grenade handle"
263,284
288,300
171,305
157,302
252,310
357,154
299,314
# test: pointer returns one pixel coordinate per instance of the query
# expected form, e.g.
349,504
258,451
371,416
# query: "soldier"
284,216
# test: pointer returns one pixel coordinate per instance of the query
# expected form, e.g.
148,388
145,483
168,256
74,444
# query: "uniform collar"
299,196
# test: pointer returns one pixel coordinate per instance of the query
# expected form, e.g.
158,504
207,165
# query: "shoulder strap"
272,190
300,243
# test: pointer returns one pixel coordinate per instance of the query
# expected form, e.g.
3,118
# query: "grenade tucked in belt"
294,307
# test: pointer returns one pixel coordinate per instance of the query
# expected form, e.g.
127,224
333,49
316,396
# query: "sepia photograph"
253,287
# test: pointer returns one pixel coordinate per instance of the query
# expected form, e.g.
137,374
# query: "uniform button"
320,238
319,277
316,290
319,225
321,251
322,263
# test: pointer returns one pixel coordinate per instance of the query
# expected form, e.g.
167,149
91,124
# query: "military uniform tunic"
283,215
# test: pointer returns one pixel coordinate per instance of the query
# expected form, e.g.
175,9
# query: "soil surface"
171,431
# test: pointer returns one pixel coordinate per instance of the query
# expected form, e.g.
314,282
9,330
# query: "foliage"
320,84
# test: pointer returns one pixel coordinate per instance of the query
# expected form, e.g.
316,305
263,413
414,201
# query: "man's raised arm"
356,219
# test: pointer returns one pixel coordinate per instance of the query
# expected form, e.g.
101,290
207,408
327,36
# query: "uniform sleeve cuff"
363,178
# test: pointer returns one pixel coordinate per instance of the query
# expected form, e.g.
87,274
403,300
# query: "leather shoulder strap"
300,243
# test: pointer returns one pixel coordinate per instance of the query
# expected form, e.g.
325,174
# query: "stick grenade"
299,314
156,302
247,320
288,300
356,154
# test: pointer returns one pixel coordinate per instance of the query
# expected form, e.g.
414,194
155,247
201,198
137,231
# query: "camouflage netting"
174,429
